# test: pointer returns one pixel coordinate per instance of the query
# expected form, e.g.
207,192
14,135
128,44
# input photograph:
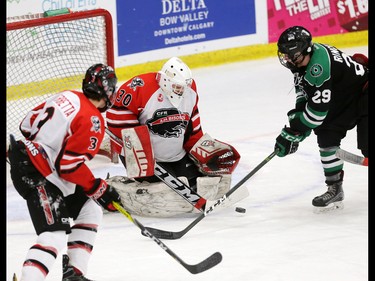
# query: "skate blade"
330,208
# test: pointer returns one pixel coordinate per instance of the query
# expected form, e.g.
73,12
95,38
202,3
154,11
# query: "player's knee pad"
213,188
150,199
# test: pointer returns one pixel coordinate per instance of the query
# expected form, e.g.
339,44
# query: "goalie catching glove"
214,157
104,194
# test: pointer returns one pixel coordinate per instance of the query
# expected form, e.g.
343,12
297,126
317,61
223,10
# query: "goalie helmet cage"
48,54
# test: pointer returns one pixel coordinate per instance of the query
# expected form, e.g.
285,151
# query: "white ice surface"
279,238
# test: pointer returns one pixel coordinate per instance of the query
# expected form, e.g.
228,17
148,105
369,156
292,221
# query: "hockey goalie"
155,119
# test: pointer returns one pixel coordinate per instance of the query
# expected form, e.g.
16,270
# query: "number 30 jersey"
173,131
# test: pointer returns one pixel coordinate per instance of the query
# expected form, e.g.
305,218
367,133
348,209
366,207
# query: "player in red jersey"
48,170
162,109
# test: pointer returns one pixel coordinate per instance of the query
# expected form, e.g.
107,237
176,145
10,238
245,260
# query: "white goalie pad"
158,200
213,188
139,156
150,199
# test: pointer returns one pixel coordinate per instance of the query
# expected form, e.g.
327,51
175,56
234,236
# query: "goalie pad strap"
139,156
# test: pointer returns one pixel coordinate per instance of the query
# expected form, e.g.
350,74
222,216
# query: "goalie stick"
351,157
171,235
190,195
204,265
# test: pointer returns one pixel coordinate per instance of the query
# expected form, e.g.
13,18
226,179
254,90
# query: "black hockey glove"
104,194
287,142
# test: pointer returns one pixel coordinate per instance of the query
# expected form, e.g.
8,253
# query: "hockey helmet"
100,81
293,44
174,77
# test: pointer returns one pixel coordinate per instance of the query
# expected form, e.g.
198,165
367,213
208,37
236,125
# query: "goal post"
50,52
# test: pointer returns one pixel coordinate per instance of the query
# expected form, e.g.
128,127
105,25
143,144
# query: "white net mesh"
48,55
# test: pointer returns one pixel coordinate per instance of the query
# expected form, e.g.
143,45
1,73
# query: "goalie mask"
100,81
174,78
293,45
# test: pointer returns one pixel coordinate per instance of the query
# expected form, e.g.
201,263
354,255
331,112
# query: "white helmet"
173,79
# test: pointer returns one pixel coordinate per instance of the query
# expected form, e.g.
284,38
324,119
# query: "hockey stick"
190,195
351,157
171,181
204,265
163,234
180,187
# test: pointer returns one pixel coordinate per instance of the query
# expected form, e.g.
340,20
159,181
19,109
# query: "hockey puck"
240,210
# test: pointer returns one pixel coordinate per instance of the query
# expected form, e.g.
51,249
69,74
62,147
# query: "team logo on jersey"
136,82
168,123
96,127
316,70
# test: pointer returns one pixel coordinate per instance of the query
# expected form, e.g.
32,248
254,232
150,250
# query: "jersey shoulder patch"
318,70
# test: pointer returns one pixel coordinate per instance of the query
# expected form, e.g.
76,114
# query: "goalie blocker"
214,159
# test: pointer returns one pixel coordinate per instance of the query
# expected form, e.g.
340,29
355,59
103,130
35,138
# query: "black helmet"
294,42
100,81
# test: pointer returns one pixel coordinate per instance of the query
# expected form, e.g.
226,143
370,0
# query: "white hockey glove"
214,157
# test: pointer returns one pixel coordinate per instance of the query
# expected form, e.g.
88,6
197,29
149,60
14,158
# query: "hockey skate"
331,200
69,274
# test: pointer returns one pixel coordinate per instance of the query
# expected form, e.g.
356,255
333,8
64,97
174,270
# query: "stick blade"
207,264
351,157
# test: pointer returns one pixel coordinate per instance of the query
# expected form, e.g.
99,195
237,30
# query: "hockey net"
50,52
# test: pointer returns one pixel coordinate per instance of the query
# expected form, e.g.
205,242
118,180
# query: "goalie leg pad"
213,188
139,156
150,199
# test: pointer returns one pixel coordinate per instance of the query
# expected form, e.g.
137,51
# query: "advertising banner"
150,25
320,17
